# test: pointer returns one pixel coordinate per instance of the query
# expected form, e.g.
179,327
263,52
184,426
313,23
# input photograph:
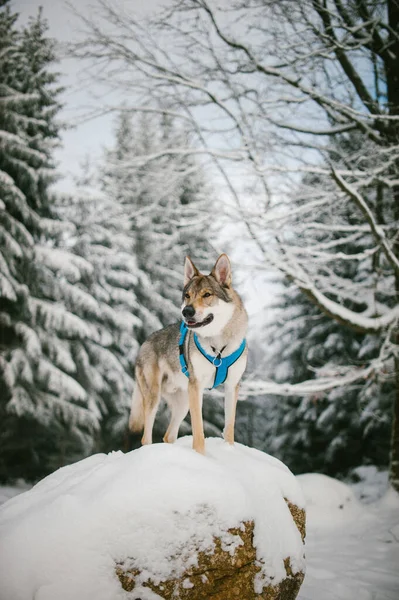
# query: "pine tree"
104,363
45,417
163,200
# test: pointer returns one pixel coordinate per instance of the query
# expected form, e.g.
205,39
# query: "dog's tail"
136,419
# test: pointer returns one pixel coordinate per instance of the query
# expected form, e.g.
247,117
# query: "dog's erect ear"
222,270
190,270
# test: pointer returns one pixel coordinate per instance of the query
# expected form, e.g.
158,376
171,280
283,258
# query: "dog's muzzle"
191,324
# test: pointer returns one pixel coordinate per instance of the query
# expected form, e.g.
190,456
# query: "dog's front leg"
195,403
230,403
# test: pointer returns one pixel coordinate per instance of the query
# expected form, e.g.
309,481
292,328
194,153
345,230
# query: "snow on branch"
343,377
358,321
7,289
9,140
12,98
310,387
70,265
54,316
348,317
144,159
60,383
377,231
309,131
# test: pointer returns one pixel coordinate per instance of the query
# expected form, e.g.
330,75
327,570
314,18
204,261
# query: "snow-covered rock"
150,520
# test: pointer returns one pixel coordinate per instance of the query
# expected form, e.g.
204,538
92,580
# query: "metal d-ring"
220,363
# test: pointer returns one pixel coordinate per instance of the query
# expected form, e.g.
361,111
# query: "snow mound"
323,491
61,539
328,501
368,483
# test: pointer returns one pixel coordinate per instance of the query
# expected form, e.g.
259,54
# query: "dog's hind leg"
179,408
136,419
150,385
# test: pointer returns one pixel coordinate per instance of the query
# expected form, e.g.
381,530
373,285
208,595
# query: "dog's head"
208,301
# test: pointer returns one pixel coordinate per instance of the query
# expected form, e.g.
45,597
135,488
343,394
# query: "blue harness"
221,364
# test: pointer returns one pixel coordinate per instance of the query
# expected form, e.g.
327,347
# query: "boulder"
232,570
159,522
222,575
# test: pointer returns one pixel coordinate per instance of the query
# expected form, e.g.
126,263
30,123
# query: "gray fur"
162,343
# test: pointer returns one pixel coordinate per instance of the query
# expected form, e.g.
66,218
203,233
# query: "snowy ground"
352,548
352,552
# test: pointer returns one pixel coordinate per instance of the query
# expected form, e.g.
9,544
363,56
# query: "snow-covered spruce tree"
45,416
164,205
105,361
167,203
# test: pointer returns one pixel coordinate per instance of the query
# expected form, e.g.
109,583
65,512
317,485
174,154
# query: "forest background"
265,129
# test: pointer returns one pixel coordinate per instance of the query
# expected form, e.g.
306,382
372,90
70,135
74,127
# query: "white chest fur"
204,371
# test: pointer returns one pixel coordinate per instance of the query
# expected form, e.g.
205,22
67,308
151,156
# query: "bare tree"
275,92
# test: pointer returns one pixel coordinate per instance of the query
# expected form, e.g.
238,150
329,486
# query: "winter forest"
267,129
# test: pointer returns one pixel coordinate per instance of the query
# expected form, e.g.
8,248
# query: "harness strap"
221,364
183,334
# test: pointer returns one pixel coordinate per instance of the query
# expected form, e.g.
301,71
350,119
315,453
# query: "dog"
206,349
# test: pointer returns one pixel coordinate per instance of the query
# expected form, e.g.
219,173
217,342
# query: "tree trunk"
392,72
394,457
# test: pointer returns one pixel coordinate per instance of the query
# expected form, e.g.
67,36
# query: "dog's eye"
206,295
186,295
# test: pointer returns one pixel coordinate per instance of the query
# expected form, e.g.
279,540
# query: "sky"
80,140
